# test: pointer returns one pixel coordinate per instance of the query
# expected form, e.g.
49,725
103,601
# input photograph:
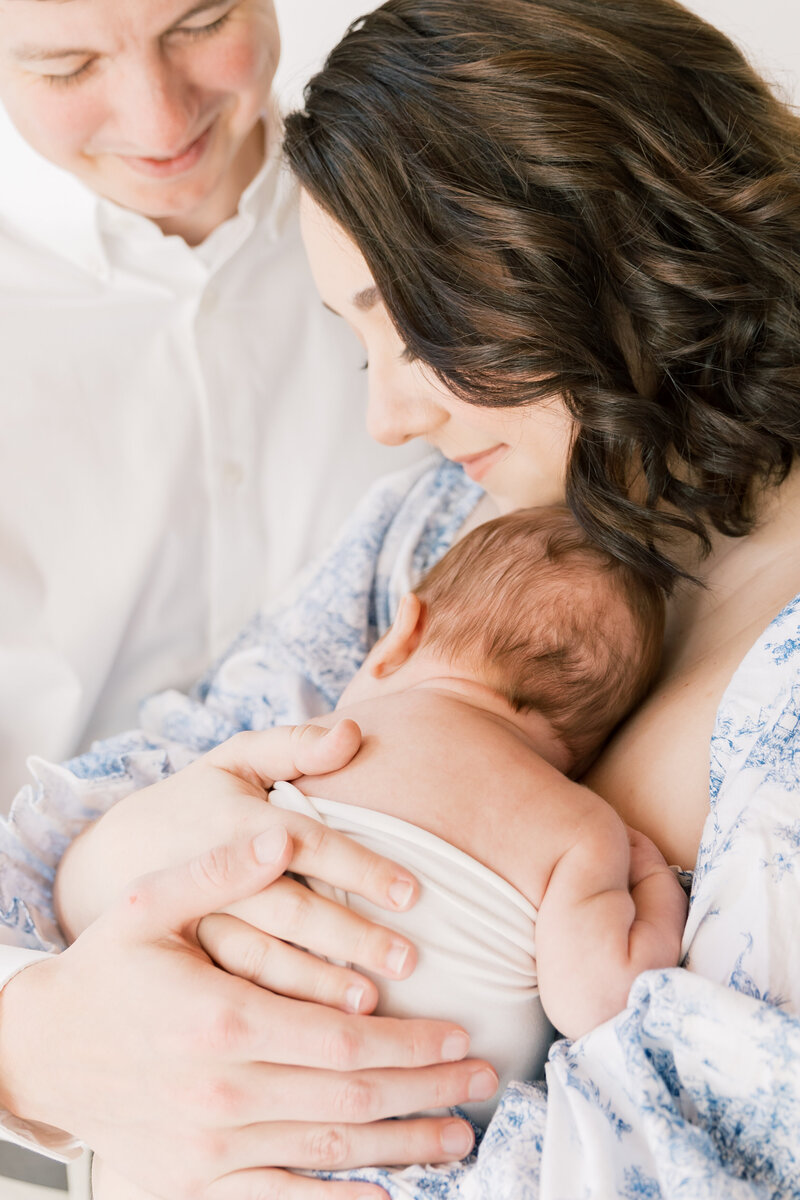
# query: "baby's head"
527,606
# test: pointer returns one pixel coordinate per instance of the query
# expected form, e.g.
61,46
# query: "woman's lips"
477,465
165,168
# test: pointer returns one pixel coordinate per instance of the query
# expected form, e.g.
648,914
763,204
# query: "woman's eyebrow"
366,299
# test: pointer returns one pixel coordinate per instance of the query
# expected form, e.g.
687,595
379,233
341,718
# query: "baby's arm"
600,923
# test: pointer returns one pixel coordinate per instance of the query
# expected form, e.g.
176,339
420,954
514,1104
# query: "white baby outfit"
474,935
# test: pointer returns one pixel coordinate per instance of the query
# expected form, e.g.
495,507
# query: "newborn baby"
501,677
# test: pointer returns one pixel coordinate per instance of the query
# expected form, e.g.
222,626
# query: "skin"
608,907
159,106
518,455
156,1047
154,104
655,770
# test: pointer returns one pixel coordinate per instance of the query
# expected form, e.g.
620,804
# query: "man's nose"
396,414
156,108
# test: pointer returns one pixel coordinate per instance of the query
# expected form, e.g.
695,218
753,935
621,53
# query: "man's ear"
397,646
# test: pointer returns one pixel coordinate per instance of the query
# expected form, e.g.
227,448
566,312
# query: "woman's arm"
612,909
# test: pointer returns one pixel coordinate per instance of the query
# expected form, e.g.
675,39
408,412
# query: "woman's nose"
398,412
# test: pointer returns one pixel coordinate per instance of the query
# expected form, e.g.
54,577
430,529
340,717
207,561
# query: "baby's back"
474,934
447,791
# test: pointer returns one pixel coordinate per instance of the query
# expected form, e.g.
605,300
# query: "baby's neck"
451,682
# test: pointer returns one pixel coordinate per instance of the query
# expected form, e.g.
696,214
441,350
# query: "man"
182,426
182,421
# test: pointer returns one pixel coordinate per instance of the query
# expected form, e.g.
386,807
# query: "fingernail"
397,957
270,845
455,1046
354,997
457,1139
482,1085
400,892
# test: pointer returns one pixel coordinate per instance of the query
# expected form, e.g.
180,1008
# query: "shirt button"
233,473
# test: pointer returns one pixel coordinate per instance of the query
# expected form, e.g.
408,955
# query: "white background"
768,31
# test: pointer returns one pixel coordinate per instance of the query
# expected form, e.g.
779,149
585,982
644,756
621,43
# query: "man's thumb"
170,900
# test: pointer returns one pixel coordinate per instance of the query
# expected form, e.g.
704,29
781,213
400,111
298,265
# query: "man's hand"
198,1085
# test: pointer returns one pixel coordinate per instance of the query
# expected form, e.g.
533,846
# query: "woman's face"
519,455
154,104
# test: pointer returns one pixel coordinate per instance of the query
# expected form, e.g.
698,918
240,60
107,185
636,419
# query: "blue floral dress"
694,1090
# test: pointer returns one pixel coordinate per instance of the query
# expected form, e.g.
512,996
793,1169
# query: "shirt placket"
228,397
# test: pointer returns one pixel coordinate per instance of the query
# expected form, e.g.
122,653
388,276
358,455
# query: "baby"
502,676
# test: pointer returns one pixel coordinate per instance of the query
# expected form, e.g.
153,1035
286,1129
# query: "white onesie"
474,935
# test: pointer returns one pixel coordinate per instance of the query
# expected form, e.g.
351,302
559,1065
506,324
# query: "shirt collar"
50,207
47,205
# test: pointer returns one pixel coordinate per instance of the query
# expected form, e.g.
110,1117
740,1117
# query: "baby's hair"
551,621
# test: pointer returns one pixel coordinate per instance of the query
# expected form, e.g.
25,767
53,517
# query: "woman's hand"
220,797
198,1085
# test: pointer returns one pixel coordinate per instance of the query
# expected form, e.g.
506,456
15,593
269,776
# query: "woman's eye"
365,365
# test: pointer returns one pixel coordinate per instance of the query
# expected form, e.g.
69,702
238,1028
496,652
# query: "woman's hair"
594,199
550,620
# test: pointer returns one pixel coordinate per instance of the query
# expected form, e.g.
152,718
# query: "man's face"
154,104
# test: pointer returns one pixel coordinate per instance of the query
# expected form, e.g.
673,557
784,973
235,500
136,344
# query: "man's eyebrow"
37,54
196,9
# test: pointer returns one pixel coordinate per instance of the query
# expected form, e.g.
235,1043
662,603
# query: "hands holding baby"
227,1075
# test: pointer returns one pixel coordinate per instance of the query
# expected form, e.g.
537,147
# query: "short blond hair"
550,620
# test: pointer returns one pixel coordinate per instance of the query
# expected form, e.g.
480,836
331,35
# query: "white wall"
768,30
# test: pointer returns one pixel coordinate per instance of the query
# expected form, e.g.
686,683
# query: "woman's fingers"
336,859
337,1147
285,1185
270,1028
287,751
171,900
291,911
265,1093
258,759
243,950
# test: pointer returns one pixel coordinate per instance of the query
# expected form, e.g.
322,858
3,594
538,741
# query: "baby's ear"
396,647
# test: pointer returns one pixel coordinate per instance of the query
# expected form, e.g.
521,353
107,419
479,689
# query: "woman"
566,233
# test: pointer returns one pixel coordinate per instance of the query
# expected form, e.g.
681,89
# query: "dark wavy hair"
596,199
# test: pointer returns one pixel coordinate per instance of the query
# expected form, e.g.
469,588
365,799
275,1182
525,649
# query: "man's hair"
549,620
592,200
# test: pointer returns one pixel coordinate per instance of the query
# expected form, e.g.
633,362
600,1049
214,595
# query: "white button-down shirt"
181,429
